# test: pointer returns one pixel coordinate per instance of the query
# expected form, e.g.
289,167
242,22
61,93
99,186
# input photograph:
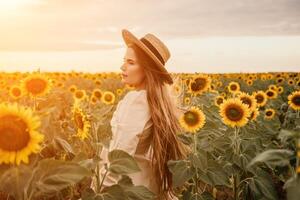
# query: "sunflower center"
296,100
219,101
233,87
108,97
14,133
259,98
16,92
269,113
234,113
79,94
198,84
36,85
270,93
191,118
97,94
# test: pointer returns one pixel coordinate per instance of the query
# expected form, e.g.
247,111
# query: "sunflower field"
243,130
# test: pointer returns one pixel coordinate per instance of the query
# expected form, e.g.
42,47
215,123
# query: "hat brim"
129,38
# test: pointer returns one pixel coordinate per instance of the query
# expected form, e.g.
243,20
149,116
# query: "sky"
206,36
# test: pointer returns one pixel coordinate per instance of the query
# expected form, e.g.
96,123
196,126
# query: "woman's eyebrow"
128,59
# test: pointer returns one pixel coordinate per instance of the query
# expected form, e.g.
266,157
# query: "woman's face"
132,71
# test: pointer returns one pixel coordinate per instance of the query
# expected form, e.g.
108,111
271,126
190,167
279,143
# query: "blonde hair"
165,117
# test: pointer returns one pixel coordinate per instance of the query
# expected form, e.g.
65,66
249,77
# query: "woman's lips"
124,75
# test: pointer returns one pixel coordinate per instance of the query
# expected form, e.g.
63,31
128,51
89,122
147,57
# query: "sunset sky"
209,36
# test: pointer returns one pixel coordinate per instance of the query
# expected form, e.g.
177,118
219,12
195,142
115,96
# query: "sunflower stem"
297,150
195,152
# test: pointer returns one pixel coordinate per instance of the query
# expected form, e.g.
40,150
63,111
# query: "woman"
145,122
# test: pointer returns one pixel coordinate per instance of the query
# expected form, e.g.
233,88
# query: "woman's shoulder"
134,105
134,97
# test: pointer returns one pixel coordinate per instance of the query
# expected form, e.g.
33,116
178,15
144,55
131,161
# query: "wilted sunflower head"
81,121
36,84
261,98
19,135
192,120
234,112
294,100
199,84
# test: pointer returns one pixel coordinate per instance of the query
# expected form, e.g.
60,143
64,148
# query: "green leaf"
181,171
121,162
133,192
14,181
215,174
292,186
64,145
272,158
51,176
262,186
199,159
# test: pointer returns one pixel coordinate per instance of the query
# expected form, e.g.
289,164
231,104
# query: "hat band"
153,49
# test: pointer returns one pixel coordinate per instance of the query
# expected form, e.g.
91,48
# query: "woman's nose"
122,67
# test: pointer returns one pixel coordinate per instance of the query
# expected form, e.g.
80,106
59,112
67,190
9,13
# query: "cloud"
57,25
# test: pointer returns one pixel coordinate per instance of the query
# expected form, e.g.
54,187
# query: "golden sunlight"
13,4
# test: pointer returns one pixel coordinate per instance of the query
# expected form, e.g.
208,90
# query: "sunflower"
291,82
187,100
119,91
261,98
272,87
36,84
248,99
81,121
234,112
280,90
254,114
176,89
108,97
294,100
16,92
249,82
19,135
80,95
72,88
219,100
269,113
199,84
192,120
93,99
271,94
280,80
97,93
233,87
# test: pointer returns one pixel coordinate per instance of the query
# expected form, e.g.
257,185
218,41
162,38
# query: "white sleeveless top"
131,118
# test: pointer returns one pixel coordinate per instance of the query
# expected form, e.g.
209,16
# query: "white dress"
131,119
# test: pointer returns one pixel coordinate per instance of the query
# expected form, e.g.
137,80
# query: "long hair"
165,117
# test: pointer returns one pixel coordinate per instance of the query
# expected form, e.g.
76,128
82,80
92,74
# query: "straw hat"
154,48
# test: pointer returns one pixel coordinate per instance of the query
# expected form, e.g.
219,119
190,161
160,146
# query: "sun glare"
13,4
